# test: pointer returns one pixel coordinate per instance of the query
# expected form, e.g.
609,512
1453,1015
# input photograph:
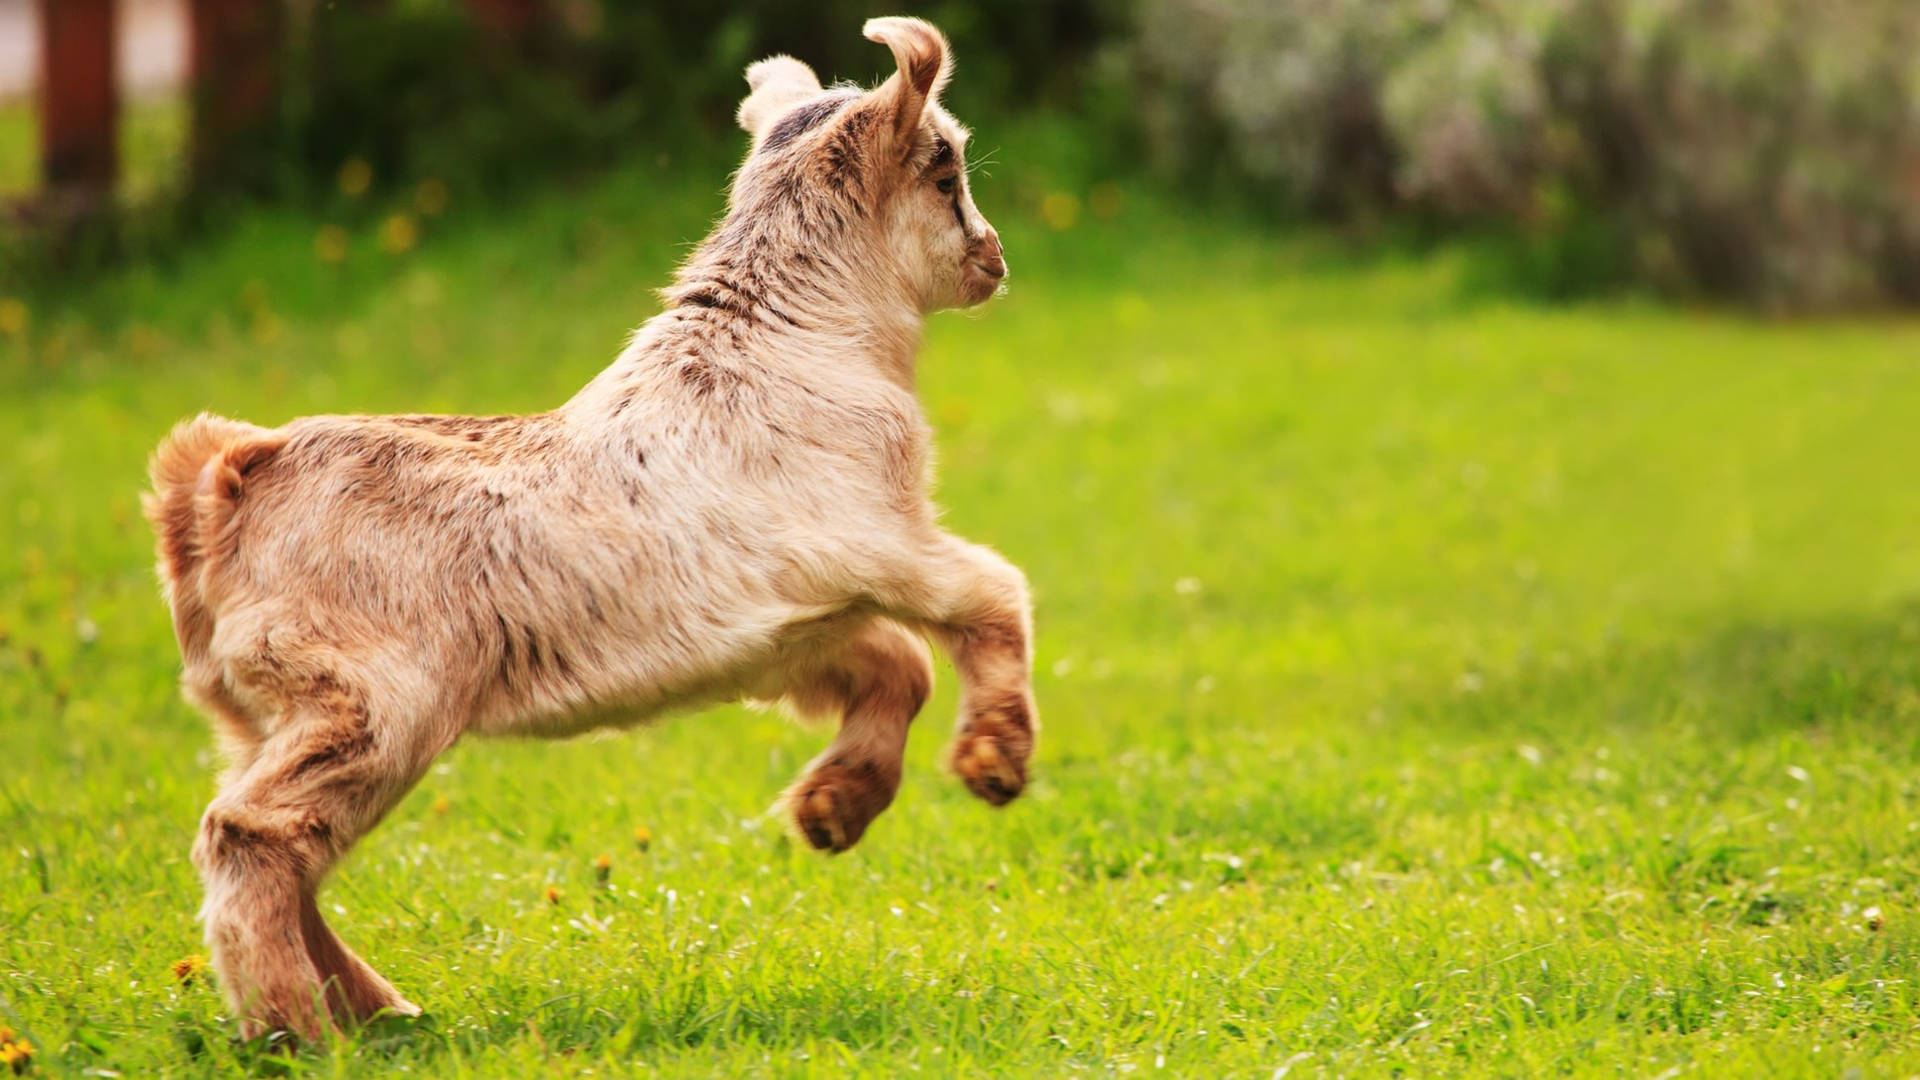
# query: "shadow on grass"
1747,681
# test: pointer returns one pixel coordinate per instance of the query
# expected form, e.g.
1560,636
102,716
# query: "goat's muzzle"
986,270
987,257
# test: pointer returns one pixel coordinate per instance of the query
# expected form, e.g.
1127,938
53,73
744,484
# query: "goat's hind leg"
354,990
327,774
876,679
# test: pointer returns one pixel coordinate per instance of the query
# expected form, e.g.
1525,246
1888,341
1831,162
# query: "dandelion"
553,894
265,329
330,245
15,1053
188,968
1060,209
14,317
398,234
602,868
642,839
430,198
356,177
441,805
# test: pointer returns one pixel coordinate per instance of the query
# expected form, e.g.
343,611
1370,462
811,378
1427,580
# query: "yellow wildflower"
17,1054
602,867
189,967
553,894
642,839
1061,209
430,198
399,233
265,329
14,317
330,244
356,176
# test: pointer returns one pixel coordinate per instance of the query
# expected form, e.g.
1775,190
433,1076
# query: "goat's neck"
844,308
790,289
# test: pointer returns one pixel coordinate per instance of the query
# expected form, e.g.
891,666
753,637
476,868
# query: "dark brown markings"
942,156
924,67
1011,711
247,849
507,665
345,746
999,635
805,118
471,428
844,155
704,377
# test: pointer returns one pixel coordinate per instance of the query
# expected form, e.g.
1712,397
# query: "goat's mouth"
985,278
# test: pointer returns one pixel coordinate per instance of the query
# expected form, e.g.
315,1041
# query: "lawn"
1434,683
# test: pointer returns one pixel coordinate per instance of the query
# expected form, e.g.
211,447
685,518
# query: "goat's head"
877,173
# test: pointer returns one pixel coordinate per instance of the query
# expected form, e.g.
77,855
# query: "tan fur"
737,507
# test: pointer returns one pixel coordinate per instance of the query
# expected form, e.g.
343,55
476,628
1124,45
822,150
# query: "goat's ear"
775,84
926,63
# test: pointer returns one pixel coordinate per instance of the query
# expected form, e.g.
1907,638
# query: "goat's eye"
945,186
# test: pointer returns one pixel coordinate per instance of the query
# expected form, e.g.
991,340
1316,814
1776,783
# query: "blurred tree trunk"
511,19
79,107
237,50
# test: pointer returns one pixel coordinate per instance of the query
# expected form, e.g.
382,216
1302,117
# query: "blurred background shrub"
420,86
1760,151
1764,151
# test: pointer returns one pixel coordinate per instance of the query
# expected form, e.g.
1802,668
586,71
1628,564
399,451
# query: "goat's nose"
989,257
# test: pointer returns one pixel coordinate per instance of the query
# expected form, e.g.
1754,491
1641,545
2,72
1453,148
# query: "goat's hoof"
834,804
989,768
818,814
395,1008
278,1031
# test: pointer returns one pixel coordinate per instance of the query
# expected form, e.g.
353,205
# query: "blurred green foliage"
418,87
1767,151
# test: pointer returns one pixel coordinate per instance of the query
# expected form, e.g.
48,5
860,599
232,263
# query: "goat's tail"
198,473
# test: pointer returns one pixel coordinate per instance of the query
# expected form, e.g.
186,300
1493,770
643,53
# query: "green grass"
1434,685
153,137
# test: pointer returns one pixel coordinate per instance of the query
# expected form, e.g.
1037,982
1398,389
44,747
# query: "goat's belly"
538,722
637,679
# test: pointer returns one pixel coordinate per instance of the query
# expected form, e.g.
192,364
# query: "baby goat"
736,508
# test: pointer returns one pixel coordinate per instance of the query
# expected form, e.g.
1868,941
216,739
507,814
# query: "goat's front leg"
975,604
875,679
